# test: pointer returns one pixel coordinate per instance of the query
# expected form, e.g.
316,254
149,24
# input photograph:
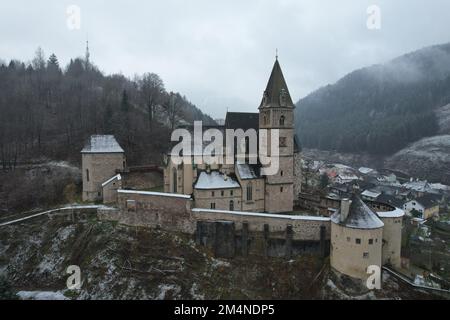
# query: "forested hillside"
379,109
47,111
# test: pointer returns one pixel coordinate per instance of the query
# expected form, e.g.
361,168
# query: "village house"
427,206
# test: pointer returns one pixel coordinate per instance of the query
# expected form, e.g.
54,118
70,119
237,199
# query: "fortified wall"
227,233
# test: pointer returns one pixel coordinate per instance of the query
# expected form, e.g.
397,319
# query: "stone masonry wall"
167,211
304,228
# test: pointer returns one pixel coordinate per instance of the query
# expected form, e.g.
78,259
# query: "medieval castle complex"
235,209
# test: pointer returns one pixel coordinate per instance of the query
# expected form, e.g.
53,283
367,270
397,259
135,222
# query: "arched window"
249,192
265,119
282,121
231,205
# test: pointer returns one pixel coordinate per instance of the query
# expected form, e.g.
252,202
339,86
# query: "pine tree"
53,61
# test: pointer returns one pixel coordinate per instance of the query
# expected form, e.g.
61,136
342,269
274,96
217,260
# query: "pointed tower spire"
277,93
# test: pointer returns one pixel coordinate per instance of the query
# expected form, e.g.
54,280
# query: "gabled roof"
102,144
242,120
391,200
248,171
275,88
428,200
360,216
370,194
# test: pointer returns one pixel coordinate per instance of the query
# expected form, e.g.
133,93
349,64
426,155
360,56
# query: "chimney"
345,208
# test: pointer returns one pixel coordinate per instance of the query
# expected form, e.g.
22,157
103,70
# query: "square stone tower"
276,112
102,157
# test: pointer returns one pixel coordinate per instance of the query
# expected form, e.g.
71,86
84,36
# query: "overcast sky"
220,53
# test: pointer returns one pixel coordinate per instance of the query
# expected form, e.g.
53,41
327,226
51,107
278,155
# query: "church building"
242,186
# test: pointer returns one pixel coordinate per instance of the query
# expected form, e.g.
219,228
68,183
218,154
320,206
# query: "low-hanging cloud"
220,53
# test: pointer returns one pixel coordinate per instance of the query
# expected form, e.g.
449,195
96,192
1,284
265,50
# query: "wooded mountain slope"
48,111
379,109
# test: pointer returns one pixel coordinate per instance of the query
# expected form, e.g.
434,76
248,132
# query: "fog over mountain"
379,109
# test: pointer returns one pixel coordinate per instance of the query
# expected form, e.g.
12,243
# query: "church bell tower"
276,112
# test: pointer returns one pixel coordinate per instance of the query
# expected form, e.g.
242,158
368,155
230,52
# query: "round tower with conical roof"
356,239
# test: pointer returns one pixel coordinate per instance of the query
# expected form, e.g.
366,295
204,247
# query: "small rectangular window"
358,241
370,241
213,205
366,255
222,193
212,194
87,175
231,193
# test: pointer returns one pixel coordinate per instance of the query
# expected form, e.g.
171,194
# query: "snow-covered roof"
439,186
348,177
117,177
370,194
365,170
417,185
102,144
341,166
247,171
266,215
149,193
396,213
360,216
215,180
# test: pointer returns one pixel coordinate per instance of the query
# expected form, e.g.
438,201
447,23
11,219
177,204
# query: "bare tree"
152,91
173,107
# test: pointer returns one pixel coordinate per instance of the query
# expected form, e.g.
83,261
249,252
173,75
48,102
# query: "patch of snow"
118,177
439,186
102,144
216,263
194,292
50,211
215,180
41,295
64,233
396,213
165,288
149,193
370,194
365,170
266,215
246,171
